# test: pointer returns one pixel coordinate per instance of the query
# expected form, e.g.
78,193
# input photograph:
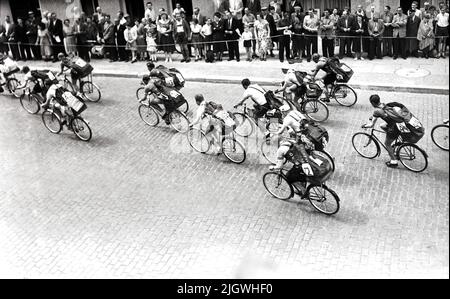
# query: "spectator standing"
182,34
207,31
150,13
218,28
442,27
298,13
298,40
283,29
291,6
399,34
272,26
426,36
130,35
335,17
20,39
55,28
165,31
415,10
262,33
178,10
99,20
80,31
359,31
236,8
232,35
426,8
9,33
326,32
199,16
247,36
376,30
32,29
254,6
196,39
141,39
361,12
120,37
92,34
44,40
311,27
344,27
109,38
412,28
151,33
249,20
372,13
3,40
387,18
69,38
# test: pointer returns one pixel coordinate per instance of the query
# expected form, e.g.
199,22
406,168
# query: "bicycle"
54,122
439,135
342,93
12,83
409,154
320,196
151,115
311,105
141,95
88,89
31,102
231,148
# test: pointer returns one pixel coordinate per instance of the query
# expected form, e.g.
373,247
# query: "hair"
195,21
246,83
149,3
199,98
66,20
388,7
375,99
25,69
218,14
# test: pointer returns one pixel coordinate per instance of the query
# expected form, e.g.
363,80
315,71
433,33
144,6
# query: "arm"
199,115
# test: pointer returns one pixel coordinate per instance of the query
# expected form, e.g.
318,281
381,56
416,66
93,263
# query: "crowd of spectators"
292,31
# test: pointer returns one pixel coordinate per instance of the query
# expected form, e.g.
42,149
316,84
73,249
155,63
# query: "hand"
367,126
236,106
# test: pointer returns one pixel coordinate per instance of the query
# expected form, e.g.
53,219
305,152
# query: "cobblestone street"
136,202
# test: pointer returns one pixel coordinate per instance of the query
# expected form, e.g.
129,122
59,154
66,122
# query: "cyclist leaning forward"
257,94
323,63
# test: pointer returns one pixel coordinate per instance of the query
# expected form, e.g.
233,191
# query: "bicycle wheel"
277,185
81,129
345,95
12,85
30,103
91,91
179,122
140,94
316,110
439,135
52,121
198,141
323,199
67,85
184,108
233,150
366,146
269,149
149,115
412,157
327,156
245,125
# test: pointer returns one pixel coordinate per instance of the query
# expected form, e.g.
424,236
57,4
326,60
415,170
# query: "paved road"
136,203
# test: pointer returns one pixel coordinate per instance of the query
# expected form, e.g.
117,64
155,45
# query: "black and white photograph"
224,139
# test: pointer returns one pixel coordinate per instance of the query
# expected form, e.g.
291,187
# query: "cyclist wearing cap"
258,95
293,86
323,64
292,120
37,77
67,64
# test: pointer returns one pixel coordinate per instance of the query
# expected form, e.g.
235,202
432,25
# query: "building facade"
71,8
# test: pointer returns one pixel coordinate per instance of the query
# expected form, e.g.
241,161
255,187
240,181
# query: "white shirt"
257,93
247,35
150,14
178,11
292,121
207,30
442,19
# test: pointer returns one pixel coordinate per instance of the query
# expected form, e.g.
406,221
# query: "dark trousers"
15,51
375,48
328,47
233,50
399,44
298,45
58,48
285,47
311,44
426,52
111,49
345,48
36,52
123,55
83,52
185,51
387,45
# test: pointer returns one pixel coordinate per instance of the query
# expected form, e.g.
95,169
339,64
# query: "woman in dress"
218,36
69,38
131,35
150,32
165,31
141,39
45,42
262,33
425,35
196,38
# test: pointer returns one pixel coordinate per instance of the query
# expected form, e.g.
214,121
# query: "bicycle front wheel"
179,122
233,150
345,95
81,129
328,157
269,149
323,199
30,103
184,108
245,125
91,91
198,141
316,110
439,135
366,146
413,157
12,84
52,121
277,185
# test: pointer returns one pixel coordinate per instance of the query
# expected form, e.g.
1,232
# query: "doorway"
89,6
186,5
135,8
406,4
20,8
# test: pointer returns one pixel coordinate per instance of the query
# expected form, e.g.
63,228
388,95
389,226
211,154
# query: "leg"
341,48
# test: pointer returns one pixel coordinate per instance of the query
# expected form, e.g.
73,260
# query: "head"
164,16
217,16
89,21
67,22
359,18
399,11
426,4
265,11
387,9
178,6
196,11
107,18
247,11
316,57
228,14
335,11
414,5
311,12
297,9
116,21
61,56
375,100
246,29
195,22
372,8
209,21
149,5
375,18
53,16
25,70
360,8
31,15
259,17
199,99
8,19
326,13
246,83
178,16
99,10
20,22
150,66
344,13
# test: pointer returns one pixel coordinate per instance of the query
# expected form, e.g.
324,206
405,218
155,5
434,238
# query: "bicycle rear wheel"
184,108
277,185
327,156
140,94
91,91
30,103
233,150
316,110
81,129
12,85
323,199
245,125
198,141
366,146
269,149
413,157
439,135
179,122
149,115
345,95
52,121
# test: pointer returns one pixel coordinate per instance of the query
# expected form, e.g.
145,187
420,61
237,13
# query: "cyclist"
323,63
37,77
258,95
67,64
170,77
7,66
292,120
293,85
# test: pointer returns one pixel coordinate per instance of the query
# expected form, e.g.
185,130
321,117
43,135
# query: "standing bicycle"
439,135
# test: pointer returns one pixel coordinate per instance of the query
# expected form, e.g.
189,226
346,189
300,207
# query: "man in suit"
233,29
272,25
292,5
31,34
80,31
55,28
399,34
412,28
109,38
326,32
200,17
344,27
254,6
182,33
20,39
387,17
376,30
120,38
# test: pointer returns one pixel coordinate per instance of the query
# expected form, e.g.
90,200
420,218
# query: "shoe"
391,165
238,60
134,61
362,59
187,61
356,58
183,60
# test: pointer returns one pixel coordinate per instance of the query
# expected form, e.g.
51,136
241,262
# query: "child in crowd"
247,36
196,38
151,41
207,34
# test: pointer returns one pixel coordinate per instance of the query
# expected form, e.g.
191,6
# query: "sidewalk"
415,75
